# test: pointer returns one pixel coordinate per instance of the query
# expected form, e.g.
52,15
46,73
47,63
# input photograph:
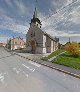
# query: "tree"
73,48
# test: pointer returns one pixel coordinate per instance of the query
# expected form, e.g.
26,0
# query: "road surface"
20,75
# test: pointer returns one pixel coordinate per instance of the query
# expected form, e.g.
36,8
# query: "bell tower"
35,20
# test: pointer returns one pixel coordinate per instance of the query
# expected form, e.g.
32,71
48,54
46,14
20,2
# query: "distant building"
60,46
39,41
16,43
2,44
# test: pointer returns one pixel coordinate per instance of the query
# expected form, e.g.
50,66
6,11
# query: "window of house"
20,42
15,42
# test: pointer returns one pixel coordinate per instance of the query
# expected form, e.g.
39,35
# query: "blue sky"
15,16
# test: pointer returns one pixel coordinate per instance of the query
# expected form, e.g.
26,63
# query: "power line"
59,11
54,13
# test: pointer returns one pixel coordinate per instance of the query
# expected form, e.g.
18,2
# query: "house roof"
17,38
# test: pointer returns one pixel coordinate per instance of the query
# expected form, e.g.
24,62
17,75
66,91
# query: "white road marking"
19,70
34,63
2,75
28,67
1,78
25,74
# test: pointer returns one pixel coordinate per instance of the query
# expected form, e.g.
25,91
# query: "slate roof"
34,20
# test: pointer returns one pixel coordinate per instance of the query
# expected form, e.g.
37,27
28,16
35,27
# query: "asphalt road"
20,75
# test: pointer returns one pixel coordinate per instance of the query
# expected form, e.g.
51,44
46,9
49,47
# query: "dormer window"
37,24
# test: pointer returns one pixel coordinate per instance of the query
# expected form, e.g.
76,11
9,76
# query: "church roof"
48,35
35,17
34,20
55,39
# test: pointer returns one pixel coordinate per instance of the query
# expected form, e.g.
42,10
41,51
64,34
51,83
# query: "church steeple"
35,20
35,13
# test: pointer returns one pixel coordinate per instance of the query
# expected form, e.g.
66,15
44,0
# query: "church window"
31,35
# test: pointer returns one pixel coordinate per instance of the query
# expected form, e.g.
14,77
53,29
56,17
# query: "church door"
33,46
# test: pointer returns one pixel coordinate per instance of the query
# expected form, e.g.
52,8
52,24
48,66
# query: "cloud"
9,3
8,23
75,16
69,1
65,22
14,27
3,39
21,8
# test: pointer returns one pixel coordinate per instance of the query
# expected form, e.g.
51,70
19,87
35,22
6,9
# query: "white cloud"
8,23
14,27
8,2
21,9
62,33
69,2
67,34
3,39
65,17
75,16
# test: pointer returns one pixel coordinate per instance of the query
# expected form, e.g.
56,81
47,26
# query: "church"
38,41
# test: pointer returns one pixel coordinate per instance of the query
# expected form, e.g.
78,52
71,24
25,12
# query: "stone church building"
39,41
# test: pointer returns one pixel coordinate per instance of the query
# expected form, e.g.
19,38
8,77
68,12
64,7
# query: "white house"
16,43
39,41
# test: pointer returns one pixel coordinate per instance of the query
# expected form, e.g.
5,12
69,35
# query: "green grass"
65,59
52,54
68,60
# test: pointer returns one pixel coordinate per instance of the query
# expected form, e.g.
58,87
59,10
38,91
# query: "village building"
37,40
2,44
15,43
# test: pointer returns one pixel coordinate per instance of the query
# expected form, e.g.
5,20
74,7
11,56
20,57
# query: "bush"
73,48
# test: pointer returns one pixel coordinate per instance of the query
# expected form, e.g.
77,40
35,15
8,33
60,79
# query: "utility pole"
69,40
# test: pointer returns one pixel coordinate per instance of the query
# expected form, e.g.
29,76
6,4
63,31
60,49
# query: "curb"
58,69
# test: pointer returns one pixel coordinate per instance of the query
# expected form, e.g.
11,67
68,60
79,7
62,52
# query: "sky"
15,17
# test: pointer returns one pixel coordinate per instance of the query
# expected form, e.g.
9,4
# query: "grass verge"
65,59
68,60
52,54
